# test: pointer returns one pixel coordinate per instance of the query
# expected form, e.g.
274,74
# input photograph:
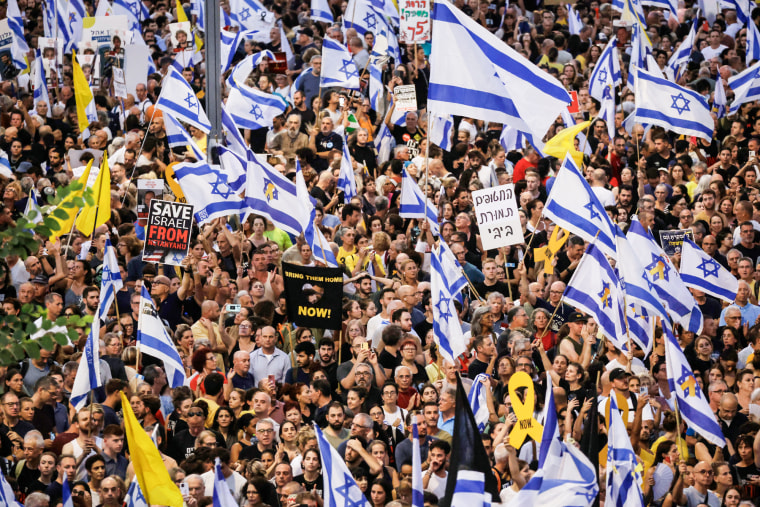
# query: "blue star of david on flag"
348,69
602,76
592,212
443,307
658,268
370,20
688,383
680,103
345,492
645,276
191,103
638,311
605,295
709,267
177,257
256,112
245,14
217,190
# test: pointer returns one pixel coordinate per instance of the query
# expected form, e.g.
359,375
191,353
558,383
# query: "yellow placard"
548,252
526,425
172,181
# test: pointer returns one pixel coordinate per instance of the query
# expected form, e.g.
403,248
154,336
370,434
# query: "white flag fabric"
574,22
446,282
702,272
153,339
178,98
252,108
753,43
418,496
441,128
346,178
623,479
479,401
320,247
223,497
135,497
682,55
606,74
320,11
413,204
7,497
40,83
244,12
178,137
746,87
499,84
338,68
661,102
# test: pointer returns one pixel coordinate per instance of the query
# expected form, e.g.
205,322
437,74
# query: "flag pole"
675,401
142,145
472,287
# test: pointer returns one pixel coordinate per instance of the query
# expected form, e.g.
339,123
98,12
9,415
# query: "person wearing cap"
620,378
574,346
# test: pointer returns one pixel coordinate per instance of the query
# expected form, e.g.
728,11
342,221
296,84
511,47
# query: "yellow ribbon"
172,181
548,252
526,425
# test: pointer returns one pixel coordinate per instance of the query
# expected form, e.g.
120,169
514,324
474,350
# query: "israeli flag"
313,236
5,164
384,143
575,207
153,339
574,22
19,47
719,100
88,375
245,67
244,12
446,282
668,285
135,497
178,137
346,178
7,497
223,497
500,85
232,136
340,488
660,102
320,11
640,326
338,68
230,43
414,205
478,400
470,490
418,495
702,272
65,492
134,10
742,8
641,48
178,98
550,439
234,167
76,13
623,478
746,87
111,281
207,190
376,86
272,195
251,108
671,5
40,82
681,56
606,74
361,15
512,139
198,9
753,43
388,10
596,290
441,129
692,403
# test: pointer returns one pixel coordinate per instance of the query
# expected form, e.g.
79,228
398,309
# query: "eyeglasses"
389,393
195,413
704,472
265,431
244,326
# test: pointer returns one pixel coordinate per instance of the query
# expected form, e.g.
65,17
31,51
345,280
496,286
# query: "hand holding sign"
526,426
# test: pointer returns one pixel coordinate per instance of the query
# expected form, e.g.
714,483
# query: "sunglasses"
195,413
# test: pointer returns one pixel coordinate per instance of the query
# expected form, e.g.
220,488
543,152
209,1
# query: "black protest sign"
314,295
167,236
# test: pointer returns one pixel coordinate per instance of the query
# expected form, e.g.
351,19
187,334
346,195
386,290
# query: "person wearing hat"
620,378
574,346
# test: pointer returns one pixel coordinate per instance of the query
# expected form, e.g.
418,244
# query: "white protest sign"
415,21
119,83
496,213
405,98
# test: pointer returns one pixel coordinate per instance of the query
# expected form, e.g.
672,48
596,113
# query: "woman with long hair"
183,338
246,431
380,493
311,478
660,476
259,227
79,276
288,440
224,424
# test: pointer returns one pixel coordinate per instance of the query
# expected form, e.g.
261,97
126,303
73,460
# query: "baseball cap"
619,373
576,317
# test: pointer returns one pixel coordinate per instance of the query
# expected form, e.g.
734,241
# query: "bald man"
749,312
207,328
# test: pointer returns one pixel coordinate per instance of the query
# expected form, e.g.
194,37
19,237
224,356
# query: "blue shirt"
276,364
750,313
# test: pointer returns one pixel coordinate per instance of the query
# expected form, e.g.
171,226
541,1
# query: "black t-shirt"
500,287
658,160
170,310
251,453
44,420
315,485
28,479
181,446
389,361
476,366
753,253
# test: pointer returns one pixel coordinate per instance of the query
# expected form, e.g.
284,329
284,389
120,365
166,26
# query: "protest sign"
415,21
7,69
146,191
167,236
314,295
119,83
405,98
496,213
672,241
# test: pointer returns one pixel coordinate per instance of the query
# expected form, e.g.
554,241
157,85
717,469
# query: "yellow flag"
93,216
86,112
564,142
154,480
67,223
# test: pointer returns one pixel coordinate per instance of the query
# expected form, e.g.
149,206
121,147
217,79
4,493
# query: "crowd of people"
257,382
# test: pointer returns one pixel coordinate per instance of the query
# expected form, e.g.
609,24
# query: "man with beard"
302,109
335,433
326,353
304,358
91,300
290,140
361,354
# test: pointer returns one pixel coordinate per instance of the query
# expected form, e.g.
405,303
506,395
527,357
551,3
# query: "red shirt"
521,167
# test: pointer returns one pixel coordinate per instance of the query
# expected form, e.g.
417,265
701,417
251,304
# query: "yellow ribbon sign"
548,252
526,426
172,181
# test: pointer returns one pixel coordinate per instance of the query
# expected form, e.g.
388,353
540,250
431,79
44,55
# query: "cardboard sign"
146,191
496,213
672,241
314,295
167,236
405,98
280,63
415,21
119,83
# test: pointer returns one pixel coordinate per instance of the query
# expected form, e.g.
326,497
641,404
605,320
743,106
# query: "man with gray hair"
28,476
748,312
265,441
288,141
196,490
37,499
